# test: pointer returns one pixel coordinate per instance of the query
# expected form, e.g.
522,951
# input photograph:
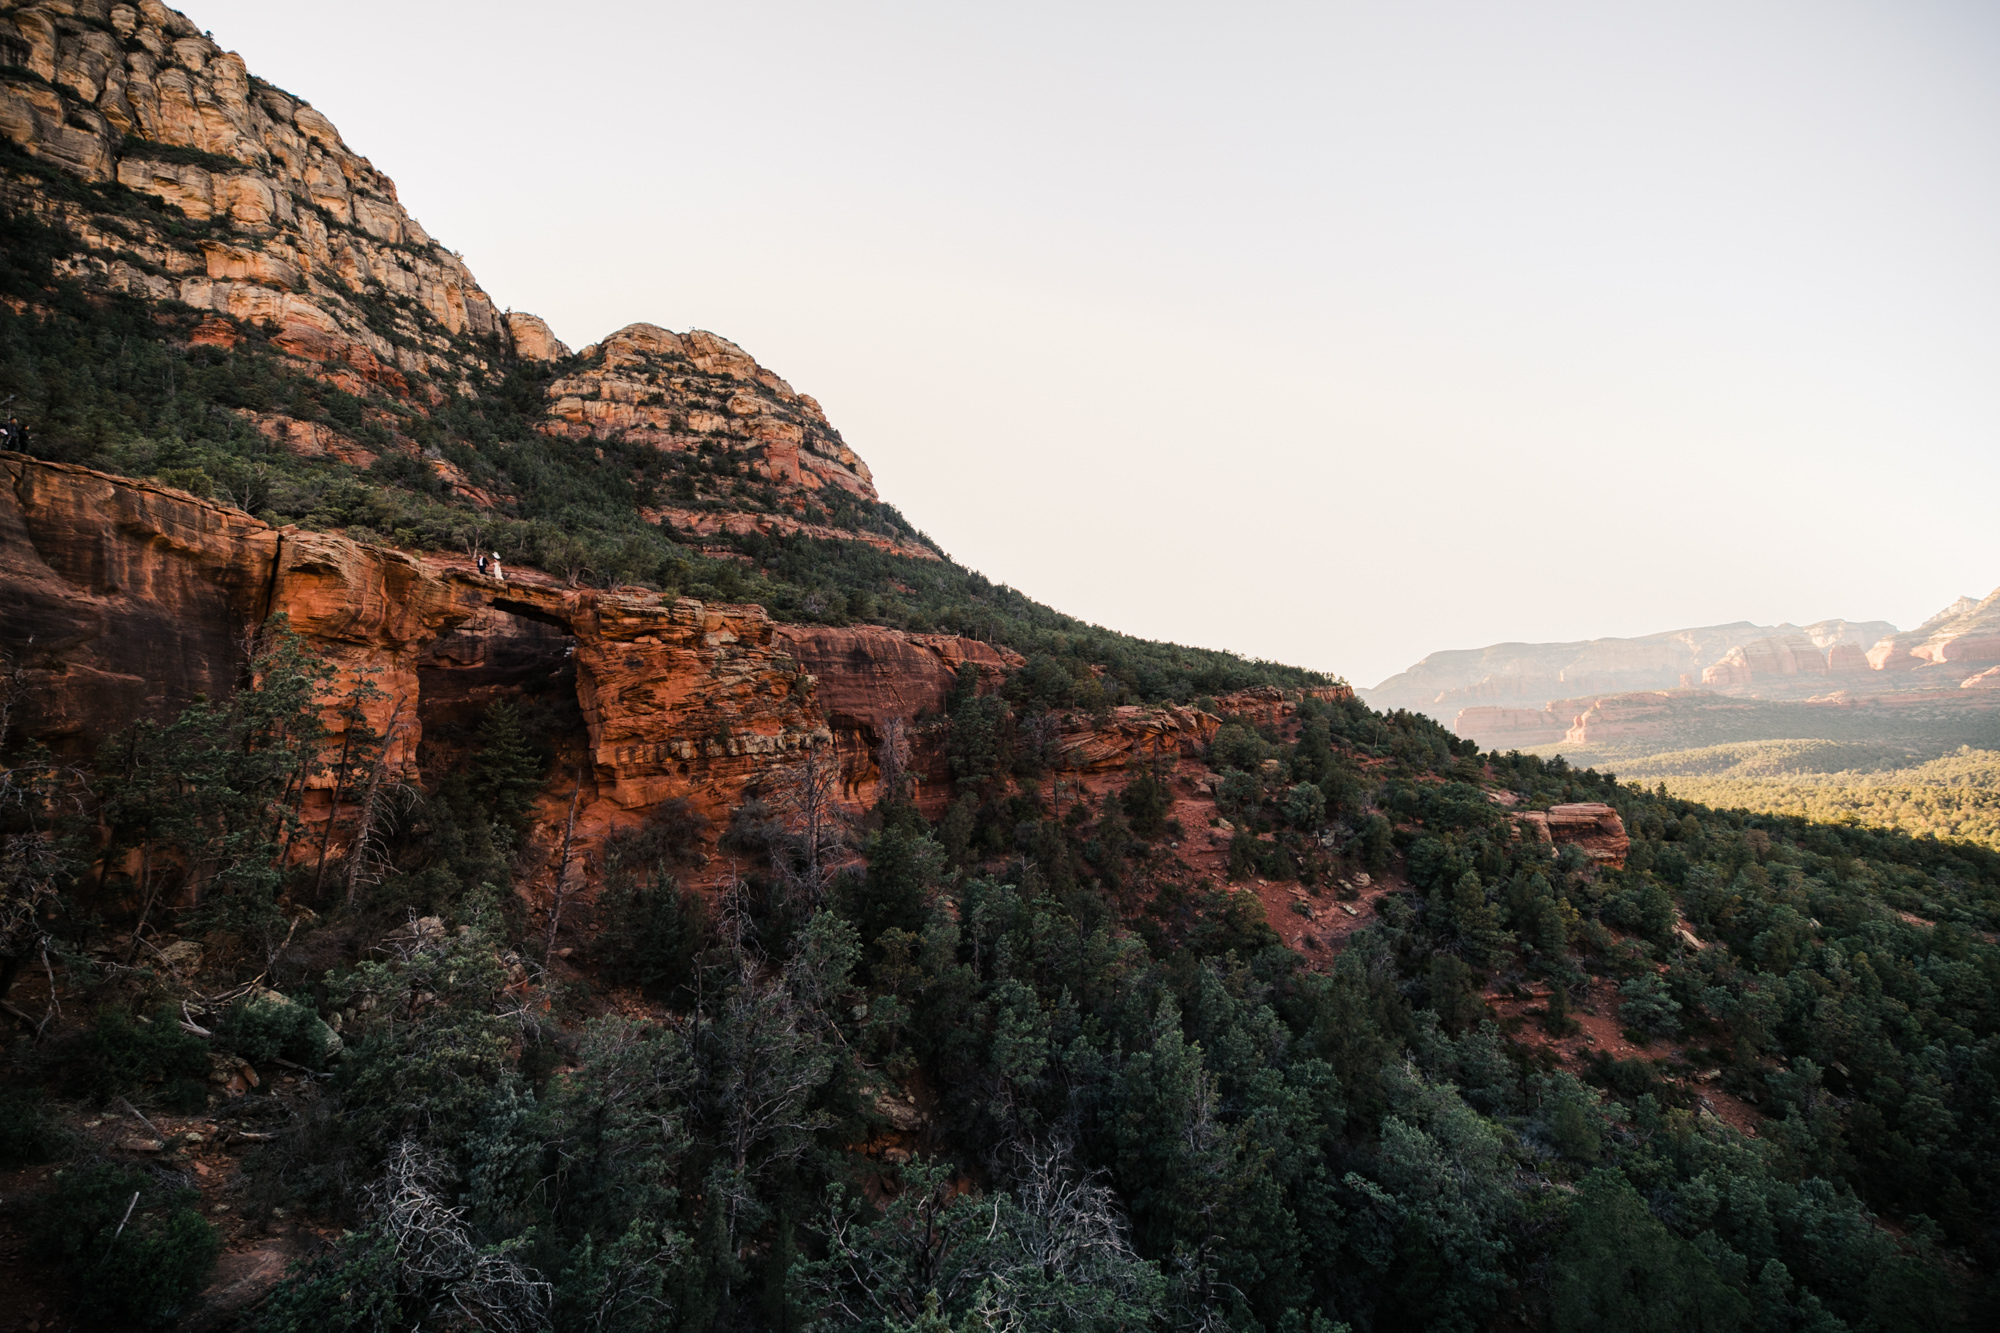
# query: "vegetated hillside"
1317,1028
388,946
1955,796
1915,769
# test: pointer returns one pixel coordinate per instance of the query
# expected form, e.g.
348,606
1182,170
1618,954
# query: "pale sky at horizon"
1337,333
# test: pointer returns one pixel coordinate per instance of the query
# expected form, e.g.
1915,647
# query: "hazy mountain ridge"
1530,674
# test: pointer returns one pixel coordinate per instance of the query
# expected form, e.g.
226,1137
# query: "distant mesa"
1528,675
1686,683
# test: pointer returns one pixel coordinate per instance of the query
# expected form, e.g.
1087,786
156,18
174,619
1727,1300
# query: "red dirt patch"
1598,1031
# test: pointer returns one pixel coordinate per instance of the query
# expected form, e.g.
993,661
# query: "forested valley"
1004,1070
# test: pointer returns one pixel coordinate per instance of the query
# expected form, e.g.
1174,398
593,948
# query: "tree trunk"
333,811
562,867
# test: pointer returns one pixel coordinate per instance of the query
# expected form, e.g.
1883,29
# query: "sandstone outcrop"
867,675
715,522
534,340
680,392
1785,666
1132,737
1823,666
866,678
118,596
239,212
686,700
124,598
1510,728
1592,827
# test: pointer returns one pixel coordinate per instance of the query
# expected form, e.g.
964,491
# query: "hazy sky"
1334,333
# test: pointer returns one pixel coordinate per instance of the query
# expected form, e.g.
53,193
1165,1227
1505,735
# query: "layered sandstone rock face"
1773,663
868,675
681,392
118,597
1133,737
534,340
264,216
183,180
697,523
686,700
1592,827
370,612
879,686
124,599
1510,728
1587,720
1823,667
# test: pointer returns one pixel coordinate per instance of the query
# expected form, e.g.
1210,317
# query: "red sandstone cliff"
1592,827
1956,643
123,598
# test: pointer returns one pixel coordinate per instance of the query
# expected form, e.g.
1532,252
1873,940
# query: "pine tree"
508,771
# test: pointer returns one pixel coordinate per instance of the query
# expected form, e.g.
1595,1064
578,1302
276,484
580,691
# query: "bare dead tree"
761,1067
892,757
436,1263
560,893
1040,733
472,535
1071,1223
363,692
806,798
383,791
732,917
248,488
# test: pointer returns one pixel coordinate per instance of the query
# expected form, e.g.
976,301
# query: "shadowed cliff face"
121,597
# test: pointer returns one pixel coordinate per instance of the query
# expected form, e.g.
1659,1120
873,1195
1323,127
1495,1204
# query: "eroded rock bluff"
294,231
123,598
